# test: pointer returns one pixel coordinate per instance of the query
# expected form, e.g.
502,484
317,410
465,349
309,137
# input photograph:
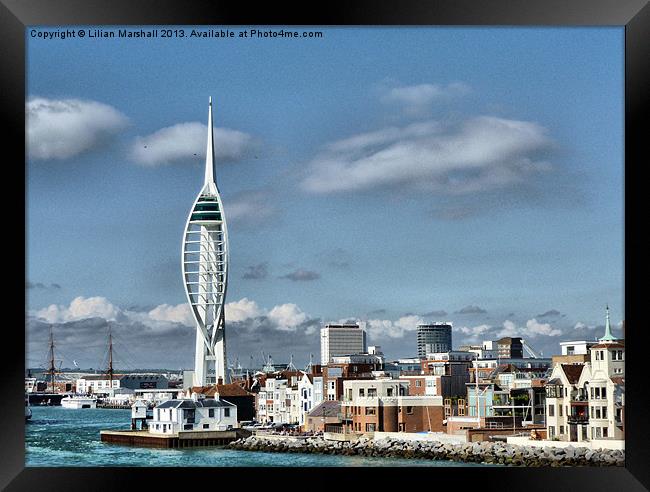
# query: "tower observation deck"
205,271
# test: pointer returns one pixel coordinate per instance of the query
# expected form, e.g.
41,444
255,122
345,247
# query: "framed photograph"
329,247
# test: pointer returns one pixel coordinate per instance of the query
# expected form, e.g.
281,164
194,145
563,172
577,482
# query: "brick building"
384,405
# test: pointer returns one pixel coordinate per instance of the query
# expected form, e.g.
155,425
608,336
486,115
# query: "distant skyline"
389,175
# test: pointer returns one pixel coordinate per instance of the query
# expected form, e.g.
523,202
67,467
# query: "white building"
188,415
310,389
576,348
97,384
274,400
603,379
586,402
341,339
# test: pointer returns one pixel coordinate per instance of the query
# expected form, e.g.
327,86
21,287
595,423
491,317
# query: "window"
409,410
188,426
604,431
418,383
597,393
559,408
597,409
604,412
551,432
597,432
603,393
226,412
561,429
551,411
597,355
370,411
389,391
372,392
362,392
370,427
211,412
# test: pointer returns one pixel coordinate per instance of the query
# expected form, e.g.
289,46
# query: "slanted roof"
328,408
572,372
232,389
617,344
189,404
620,380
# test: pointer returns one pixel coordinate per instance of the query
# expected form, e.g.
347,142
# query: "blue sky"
386,175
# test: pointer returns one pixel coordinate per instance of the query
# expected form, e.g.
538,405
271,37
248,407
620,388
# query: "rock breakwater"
477,452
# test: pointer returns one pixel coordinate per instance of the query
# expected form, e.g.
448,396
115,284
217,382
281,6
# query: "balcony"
578,419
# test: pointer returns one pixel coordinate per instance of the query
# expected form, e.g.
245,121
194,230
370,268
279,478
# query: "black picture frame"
15,15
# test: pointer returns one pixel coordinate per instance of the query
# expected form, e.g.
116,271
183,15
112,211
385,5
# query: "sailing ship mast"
52,367
110,359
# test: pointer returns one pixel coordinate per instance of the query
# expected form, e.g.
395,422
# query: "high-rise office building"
205,271
341,339
433,338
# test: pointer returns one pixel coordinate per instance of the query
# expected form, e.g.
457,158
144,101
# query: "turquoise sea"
57,436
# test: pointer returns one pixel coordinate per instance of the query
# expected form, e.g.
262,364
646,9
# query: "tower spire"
209,154
608,329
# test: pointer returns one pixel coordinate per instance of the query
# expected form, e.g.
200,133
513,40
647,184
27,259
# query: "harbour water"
57,436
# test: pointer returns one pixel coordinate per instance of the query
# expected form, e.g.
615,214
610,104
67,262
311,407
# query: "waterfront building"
594,402
341,339
310,390
340,369
233,393
328,412
99,384
433,337
187,414
384,405
399,367
274,400
205,271
574,352
567,404
510,348
452,371
603,379
486,350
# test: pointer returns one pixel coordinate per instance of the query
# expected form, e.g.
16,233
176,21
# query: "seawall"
477,452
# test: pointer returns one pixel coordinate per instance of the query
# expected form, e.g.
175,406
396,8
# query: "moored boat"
76,402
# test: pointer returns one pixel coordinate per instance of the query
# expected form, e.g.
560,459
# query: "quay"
178,440
119,406
485,452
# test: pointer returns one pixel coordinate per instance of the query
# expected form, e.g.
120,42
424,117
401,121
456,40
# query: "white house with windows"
310,391
586,402
187,415
604,380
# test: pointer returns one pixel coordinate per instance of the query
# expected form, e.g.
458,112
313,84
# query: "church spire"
608,329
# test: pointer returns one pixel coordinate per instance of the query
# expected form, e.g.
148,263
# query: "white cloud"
181,313
79,308
532,329
475,331
383,328
287,316
417,98
242,310
535,328
188,142
483,153
253,207
64,128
